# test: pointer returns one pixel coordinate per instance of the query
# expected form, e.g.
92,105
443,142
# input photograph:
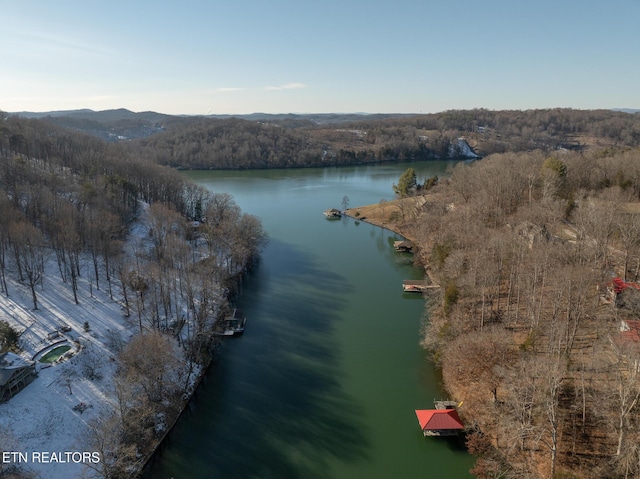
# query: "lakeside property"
531,328
83,363
395,215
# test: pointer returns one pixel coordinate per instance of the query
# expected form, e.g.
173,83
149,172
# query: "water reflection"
290,412
324,381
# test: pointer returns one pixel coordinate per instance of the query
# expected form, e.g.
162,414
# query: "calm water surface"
325,380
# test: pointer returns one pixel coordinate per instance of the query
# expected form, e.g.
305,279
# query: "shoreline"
148,460
392,228
389,215
156,448
372,214
386,214
215,343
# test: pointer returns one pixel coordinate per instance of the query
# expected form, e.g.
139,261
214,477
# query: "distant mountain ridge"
125,114
122,124
103,115
109,125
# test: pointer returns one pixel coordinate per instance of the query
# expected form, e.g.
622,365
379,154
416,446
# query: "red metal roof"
619,285
439,419
630,329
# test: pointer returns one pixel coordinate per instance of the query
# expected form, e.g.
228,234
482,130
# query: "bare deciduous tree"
106,436
30,254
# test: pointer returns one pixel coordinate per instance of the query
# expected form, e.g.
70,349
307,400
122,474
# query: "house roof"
619,285
630,329
9,363
439,419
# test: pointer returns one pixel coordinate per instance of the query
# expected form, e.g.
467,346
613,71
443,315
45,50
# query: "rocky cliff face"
462,149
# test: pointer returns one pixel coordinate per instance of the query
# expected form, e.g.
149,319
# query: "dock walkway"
417,286
445,404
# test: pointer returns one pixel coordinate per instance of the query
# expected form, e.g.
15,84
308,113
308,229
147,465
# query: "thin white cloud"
228,89
46,42
288,86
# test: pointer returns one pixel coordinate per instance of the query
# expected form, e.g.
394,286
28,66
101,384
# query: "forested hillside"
282,141
531,330
68,206
236,143
73,195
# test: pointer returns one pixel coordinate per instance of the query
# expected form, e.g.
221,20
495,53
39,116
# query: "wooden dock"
403,246
333,214
445,404
417,286
232,325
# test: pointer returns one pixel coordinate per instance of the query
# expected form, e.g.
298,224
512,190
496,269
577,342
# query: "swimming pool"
54,354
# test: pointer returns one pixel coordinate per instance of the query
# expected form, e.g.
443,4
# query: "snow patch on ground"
51,414
462,149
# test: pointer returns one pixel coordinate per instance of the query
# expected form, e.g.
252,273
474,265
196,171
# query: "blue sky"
281,56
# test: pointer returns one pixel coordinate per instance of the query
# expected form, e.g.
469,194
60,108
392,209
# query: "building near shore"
16,373
439,422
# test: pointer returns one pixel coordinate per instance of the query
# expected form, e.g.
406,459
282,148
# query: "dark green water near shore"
325,380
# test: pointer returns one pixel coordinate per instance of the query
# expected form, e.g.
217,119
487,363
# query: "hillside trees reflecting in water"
531,340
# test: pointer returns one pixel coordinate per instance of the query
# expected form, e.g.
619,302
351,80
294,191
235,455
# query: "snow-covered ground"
41,418
43,425
462,149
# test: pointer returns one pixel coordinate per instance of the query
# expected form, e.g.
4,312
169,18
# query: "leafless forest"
73,201
289,141
527,325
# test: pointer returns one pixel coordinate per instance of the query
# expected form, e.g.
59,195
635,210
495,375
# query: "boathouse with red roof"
439,422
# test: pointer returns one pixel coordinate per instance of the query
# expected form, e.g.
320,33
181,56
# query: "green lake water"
325,380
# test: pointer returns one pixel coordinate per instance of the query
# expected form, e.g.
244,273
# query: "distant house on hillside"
15,374
532,233
618,285
630,330
624,294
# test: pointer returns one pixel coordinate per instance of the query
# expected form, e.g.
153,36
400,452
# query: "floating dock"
417,286
232,325
404,246
446,404
332,214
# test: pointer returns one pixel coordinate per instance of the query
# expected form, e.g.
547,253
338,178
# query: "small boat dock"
441,421
233,324
445,404
417,286
332,214
403,246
